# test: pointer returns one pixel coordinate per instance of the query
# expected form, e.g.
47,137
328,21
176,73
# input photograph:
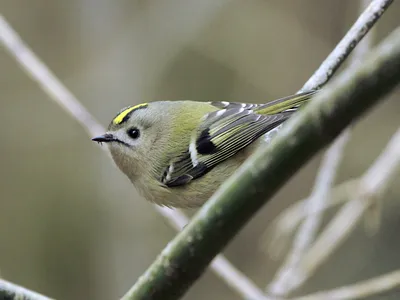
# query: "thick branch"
221,266
242,195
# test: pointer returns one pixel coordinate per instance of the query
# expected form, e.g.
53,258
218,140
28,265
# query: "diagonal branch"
360,28
242,195
286,222
38,71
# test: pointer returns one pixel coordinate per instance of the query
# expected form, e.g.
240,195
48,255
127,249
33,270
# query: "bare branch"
372,187
367,288
360,28
38,71
278,235
12,291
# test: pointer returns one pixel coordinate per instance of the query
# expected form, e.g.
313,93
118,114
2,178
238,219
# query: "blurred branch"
257,180
278,235
372,187
11,291
373,212
284,280
39,72
360,28
367,288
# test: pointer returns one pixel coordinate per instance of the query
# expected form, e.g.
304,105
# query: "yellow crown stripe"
118,119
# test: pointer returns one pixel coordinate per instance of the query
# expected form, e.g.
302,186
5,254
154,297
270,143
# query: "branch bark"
11,291
241,196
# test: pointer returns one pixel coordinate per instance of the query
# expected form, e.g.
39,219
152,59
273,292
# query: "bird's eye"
133,133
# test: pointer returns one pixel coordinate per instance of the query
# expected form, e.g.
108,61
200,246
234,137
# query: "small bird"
177,153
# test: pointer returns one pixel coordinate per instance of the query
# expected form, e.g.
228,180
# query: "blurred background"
71,225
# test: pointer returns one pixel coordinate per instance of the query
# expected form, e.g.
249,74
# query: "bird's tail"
290,103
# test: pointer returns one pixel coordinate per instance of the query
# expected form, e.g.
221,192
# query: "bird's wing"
225,132
279,105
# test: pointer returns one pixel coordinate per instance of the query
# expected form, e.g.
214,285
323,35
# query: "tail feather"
285,104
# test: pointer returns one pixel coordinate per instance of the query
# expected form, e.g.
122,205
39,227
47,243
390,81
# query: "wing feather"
225,132
228,135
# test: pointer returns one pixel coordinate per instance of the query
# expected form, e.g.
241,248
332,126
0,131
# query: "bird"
177,153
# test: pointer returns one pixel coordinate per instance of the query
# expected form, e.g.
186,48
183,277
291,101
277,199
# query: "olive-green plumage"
177,153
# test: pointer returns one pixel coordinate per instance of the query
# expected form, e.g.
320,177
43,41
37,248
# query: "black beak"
105,138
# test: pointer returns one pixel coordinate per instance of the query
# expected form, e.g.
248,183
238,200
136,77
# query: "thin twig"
366,44
283,226
12,291
360,28
38,71
372,187
367,288
51,85
283,282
